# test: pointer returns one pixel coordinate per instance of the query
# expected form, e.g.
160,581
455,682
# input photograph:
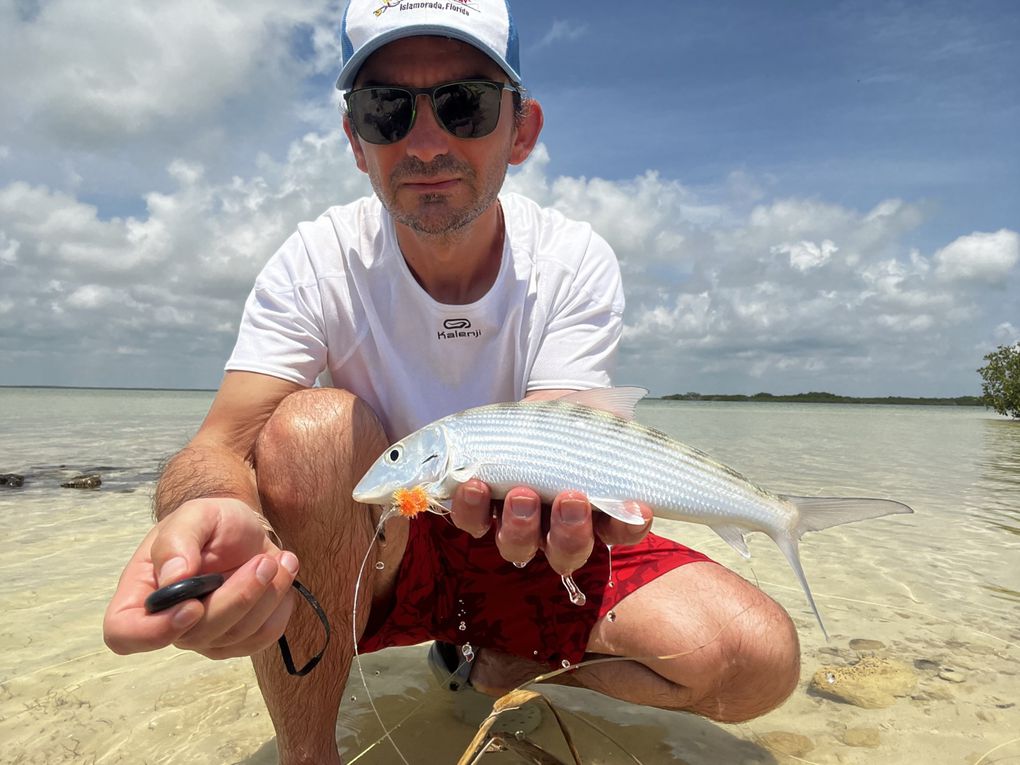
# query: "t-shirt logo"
457,328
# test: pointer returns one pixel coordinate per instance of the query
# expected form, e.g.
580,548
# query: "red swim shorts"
457,589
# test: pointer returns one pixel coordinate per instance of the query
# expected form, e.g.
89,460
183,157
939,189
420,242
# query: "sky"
803,196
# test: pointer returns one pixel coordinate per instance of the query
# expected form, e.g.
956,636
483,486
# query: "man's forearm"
204,471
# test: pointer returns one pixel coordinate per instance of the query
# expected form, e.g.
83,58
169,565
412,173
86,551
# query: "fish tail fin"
817,513
788,545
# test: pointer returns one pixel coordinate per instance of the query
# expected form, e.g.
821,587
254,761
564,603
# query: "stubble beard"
434,216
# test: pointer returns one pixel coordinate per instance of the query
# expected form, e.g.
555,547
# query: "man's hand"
245,615
565,532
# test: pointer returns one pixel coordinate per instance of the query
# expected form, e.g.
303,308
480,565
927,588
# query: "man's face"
431,181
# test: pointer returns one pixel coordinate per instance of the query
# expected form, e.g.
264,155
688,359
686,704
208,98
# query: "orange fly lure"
411,502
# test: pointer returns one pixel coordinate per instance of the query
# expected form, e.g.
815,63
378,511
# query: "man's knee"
762,667
318,442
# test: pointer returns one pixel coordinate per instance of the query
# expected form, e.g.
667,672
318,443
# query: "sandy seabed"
64,698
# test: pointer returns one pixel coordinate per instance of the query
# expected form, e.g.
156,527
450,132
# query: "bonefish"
588,441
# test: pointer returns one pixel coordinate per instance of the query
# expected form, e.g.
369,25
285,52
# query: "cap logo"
461,6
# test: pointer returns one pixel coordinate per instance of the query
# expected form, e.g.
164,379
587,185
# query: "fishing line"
443,511
390,513
995,749
601,732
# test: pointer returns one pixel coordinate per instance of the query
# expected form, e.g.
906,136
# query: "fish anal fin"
734,537
621,510
619,401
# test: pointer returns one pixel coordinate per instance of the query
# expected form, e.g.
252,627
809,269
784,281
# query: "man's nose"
427,139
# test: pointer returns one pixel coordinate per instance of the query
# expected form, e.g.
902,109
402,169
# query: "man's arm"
571,529
206,507
218,460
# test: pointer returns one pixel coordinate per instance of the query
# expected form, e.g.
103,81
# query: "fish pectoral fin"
734,537
619,401
464,473
621,510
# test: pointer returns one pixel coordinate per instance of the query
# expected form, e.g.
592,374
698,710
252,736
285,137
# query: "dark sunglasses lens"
381,115
469,109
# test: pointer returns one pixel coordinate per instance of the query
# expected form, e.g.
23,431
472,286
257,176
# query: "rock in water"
89,481
11,479
952,675
865,737
784,742
871,683
863,644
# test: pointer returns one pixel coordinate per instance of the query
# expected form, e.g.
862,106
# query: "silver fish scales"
588,442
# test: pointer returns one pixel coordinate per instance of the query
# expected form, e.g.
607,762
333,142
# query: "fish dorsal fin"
619,401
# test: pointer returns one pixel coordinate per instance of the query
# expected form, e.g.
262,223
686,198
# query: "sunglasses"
385,114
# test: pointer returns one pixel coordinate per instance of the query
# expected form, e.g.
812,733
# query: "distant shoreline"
101,387
821,397
814,397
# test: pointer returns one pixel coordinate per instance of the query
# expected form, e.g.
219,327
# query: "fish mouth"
368,495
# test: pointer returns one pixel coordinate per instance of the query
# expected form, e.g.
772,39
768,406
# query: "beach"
929,601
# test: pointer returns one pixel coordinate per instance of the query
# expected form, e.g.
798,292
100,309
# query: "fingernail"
573,511
172,570
290,562
473,496
185,617
265,571
523,508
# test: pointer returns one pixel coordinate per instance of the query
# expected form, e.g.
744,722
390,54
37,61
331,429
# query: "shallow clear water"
940,590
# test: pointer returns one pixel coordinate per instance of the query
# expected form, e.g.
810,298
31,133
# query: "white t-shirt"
337,303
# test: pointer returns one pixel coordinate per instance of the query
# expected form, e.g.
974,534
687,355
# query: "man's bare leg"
308,458
739,656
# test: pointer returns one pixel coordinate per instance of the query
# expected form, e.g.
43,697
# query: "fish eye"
395,454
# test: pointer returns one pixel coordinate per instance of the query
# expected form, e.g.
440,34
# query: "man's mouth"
430,184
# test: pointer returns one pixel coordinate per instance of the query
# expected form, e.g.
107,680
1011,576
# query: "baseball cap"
369,24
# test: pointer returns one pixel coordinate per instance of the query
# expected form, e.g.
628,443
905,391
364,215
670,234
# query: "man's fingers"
614,532
134,631
570,539
471,510
261,625
263,638
238,609
520,528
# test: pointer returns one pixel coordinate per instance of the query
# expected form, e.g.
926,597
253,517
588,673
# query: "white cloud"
718,299
8,249
169,285
979,257
94,73
1007,333
562,30
807,255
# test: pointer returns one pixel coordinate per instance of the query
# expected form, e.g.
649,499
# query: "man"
435,295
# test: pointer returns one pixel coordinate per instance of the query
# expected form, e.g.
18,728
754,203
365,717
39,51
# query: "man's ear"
527,132
356,147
